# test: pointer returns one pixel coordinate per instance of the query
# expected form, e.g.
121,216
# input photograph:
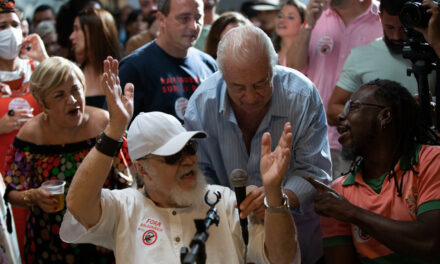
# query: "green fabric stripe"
350,180
393,259
405,164
428,206
338,241
376,184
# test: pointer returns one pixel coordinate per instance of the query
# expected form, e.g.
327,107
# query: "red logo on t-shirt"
149,237
179,84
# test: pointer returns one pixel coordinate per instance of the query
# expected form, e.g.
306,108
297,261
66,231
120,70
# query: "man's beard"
194,197
392,46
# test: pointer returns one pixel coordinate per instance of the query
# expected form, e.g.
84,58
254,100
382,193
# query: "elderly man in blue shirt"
249,96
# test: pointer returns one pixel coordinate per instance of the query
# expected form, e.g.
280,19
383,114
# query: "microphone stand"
198,252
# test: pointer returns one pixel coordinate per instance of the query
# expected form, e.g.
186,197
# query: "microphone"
239,179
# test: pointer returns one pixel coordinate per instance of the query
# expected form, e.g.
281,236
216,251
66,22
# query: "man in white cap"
155,222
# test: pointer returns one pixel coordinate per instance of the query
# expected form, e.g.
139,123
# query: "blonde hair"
50,74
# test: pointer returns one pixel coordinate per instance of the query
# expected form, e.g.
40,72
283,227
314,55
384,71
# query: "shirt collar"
225,107
373,9
405,163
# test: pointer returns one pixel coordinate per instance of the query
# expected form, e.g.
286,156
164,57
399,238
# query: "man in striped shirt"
250,95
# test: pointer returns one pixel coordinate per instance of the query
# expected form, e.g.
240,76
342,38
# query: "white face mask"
10,42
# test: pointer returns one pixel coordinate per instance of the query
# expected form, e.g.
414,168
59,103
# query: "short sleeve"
350,79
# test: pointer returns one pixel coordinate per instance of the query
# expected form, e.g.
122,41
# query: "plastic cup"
56,187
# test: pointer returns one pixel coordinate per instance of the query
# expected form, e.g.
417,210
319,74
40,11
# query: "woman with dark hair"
221,25
135,23
94,37
289,20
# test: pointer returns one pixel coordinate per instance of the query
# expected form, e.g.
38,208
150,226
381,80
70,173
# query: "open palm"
274,165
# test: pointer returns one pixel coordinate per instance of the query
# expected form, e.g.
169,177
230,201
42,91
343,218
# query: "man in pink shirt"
330,31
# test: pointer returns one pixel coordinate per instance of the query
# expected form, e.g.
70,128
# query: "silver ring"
16,123
321,4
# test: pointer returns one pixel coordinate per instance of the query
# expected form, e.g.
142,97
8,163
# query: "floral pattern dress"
28,166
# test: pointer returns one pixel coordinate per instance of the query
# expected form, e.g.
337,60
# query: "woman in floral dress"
51,146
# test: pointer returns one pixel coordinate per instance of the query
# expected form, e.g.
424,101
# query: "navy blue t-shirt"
162,82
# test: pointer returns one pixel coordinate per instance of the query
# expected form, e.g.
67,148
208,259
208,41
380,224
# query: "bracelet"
27,199
307,26
282,208
108,146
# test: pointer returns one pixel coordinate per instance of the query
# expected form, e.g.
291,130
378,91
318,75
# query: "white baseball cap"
159,134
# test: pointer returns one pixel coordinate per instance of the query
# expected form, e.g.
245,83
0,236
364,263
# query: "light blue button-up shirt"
294,100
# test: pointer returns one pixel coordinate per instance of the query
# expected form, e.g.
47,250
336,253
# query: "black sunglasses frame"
189,149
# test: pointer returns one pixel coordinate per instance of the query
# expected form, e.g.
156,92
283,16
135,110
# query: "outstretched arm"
280,234
84,197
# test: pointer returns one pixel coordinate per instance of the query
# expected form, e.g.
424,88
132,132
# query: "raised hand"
314,11
33,47
274,165
120,106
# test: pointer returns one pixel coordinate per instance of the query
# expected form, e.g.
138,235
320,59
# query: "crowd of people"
145,115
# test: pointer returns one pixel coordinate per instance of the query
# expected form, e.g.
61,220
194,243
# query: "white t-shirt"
140,232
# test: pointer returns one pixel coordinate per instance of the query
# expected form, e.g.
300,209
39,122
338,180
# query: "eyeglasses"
188,150
350,106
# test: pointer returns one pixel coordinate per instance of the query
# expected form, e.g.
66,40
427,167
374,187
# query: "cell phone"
318,185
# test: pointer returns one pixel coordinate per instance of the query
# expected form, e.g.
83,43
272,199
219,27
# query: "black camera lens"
414,14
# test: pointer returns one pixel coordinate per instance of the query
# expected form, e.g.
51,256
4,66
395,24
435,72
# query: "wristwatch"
282,208
107,145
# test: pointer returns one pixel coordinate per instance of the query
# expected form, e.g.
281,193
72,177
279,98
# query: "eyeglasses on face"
350,106
188,150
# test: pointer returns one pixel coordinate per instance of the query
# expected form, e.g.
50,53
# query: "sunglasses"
188,150
350,106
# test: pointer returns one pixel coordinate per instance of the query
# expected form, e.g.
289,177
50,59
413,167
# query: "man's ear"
140,170
385,117
160,17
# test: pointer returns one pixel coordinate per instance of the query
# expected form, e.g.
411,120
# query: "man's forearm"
280,235
83,198
299,50
418,238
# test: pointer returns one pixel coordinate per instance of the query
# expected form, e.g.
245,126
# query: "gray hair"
244,43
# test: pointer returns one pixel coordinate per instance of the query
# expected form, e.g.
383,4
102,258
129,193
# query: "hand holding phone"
319,186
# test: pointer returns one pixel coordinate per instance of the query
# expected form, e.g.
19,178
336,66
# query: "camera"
413,14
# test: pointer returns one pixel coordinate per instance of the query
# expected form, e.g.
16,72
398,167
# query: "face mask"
10,41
